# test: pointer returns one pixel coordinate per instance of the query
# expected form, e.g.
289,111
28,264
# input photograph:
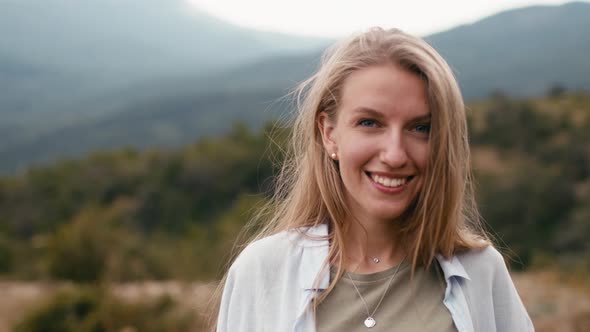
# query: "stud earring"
333,155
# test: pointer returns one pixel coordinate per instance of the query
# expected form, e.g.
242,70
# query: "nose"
394,150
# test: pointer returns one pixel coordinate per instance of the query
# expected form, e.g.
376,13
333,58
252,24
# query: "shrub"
90,309
5,256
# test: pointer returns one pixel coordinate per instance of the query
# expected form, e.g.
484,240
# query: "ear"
326,127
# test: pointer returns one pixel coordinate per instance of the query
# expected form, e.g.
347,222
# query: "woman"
374,225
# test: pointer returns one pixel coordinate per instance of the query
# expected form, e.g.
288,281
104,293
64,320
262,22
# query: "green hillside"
161,214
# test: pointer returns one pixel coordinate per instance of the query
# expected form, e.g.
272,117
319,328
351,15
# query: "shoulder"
475,264
283,262
486,268
486,261
265,284
268,251
280,249
490,290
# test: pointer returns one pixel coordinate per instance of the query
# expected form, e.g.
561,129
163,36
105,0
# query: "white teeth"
389,182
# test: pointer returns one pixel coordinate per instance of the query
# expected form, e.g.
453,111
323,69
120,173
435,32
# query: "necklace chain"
370,316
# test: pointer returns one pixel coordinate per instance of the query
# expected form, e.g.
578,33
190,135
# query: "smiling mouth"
389,181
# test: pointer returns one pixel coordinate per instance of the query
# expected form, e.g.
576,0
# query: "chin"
387,215
388,211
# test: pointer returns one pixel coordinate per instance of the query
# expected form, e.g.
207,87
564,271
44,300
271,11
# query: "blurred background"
138,136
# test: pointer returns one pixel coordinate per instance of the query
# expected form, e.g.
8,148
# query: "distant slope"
520,52
82,49
98,36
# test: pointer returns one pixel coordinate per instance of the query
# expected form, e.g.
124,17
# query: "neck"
372,247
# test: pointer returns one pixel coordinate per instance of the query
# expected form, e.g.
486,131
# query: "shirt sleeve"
223,318
237,309
509,311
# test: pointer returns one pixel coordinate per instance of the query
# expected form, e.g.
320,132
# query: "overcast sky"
335,18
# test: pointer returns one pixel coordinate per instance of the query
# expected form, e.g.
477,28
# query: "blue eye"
423,128
367,123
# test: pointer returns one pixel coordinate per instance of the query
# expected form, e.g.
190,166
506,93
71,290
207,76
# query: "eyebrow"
423,117
369,112
376,114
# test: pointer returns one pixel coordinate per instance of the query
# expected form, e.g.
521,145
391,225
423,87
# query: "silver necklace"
370,320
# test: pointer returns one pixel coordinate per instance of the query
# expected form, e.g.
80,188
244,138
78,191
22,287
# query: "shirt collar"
452,267
315,252
314,241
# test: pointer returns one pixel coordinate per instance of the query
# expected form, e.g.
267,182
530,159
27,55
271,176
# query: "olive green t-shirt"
409,304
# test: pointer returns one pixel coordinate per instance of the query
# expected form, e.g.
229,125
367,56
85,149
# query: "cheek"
354,151
418,152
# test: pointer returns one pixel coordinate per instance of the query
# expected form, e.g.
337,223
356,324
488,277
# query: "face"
380,135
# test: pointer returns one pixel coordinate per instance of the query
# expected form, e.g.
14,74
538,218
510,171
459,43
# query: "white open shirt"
270,287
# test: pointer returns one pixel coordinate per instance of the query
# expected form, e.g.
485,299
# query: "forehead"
385,88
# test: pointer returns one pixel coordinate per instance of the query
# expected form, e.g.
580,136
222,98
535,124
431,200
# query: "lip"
389,190
390,175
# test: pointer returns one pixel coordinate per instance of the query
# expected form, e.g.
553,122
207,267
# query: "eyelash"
426,127
422,128
362,122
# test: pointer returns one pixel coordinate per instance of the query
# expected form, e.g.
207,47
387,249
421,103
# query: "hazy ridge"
154,74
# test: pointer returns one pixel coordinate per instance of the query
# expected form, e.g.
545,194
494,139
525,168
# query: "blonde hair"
443,219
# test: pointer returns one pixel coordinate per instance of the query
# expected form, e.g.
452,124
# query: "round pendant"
375,260
370,322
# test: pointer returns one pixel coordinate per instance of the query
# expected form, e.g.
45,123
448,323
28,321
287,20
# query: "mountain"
64,63
519,52
74,50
